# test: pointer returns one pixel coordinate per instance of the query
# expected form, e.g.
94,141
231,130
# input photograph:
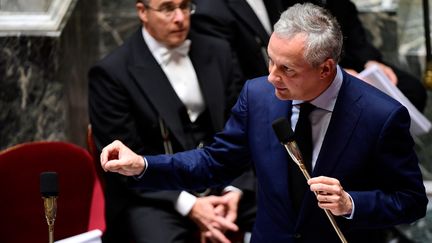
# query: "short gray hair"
324,36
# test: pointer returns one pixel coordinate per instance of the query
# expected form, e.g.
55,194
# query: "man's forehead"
282,40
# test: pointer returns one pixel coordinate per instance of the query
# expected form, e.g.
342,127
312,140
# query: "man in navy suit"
247,25
363,165
164,90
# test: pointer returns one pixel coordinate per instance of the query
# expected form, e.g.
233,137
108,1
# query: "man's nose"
179,15
273,73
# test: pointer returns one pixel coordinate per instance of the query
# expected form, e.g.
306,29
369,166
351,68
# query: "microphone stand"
49,191
295,155
50,205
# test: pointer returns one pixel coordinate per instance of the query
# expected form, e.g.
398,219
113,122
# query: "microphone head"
49,184
283,131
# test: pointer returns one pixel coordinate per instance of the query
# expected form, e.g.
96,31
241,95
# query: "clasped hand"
215,215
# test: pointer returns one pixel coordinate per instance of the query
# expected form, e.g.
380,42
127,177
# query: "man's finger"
218,235
217,200
226,224
112,165
323,179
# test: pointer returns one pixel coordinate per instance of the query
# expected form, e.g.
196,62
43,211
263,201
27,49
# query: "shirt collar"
156,48
162,54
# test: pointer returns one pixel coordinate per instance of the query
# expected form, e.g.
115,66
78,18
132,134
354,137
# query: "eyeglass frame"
191,7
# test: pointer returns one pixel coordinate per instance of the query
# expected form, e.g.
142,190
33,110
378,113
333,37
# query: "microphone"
285,134
49,191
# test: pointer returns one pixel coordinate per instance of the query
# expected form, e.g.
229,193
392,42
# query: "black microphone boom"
285,134
49,191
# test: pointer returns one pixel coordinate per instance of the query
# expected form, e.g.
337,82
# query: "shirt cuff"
138,177
231,189
351,216
184,203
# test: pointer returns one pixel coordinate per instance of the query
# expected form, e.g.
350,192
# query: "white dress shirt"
180,73
319,117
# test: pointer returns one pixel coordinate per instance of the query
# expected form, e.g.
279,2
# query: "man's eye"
167,8
288,71
184,6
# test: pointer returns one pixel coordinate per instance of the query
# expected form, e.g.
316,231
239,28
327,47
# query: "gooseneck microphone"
285,134
49,191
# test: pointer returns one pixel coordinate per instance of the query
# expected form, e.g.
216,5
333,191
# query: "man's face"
170,29
290,74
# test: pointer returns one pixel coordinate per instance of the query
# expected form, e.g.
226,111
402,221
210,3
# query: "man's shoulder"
207,40
372,97
120,55
258,87
210,8
259,83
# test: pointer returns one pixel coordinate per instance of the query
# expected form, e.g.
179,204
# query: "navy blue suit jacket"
367,147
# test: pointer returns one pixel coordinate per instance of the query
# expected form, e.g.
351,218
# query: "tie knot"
306,108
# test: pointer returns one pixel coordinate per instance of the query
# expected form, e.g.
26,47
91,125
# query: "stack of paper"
93,236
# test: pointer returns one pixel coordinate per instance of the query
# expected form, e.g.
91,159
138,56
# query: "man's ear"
141,11
326,68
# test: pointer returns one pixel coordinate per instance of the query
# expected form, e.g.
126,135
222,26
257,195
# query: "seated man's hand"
232,202
228,210
116,157
388,71
211,224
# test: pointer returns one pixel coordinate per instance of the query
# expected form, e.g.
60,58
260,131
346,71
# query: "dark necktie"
303,138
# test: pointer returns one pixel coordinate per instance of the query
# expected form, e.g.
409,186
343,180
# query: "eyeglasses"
169,9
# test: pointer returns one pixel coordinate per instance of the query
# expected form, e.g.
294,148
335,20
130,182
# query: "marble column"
46,49
117,21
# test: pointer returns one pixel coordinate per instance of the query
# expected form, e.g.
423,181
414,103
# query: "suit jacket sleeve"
401,197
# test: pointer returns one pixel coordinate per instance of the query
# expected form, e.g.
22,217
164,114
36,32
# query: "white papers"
373,75
93,236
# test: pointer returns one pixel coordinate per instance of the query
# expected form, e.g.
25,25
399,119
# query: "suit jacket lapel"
209,79
150,77
250,20
343,121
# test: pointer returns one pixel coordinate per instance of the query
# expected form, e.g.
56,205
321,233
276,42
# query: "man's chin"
281,96
177,41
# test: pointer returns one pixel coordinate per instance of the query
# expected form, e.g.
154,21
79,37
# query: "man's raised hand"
116,157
